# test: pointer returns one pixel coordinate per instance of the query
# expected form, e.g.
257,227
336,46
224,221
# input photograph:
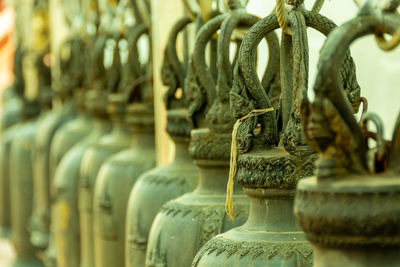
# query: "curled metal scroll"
200,83
173,71
248,93
294,72
329,123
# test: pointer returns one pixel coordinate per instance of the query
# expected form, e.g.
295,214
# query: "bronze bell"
48,123
6,138
11,115
65,217
93,158
118,174
163,183
113,185
194,218
120,138
71,132
350,209
21,186
74,130
274,157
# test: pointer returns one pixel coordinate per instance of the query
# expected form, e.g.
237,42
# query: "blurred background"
377,71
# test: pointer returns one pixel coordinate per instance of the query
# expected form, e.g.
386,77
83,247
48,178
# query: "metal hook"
391,7
380,154
364,111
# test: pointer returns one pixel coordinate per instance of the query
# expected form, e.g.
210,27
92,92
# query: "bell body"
65,217
113,186
21,193
120,138
271,235
64,140
67,136
153,189
48,124
11,112
185,224
353,219
6,138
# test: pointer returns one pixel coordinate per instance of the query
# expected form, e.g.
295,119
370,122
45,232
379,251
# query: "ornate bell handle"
173,71
137,71
331,100
225,73
246,75
198,59
282,13
137,32
380,155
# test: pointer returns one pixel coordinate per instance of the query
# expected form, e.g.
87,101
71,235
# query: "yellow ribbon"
233,159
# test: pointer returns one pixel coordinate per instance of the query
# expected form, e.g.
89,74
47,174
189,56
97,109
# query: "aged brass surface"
161,184
48,123
11,114
21,187
78,182
197,217
72,132
350,209
119,173
65,211
271,161
110,80
5,219
87,69
93,158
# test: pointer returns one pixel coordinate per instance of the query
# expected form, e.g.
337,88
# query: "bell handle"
199,64
225,74
328,86
245,72
172,66
138,31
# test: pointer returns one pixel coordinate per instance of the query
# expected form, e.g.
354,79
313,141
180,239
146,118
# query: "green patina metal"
119,173
274,157
161,184
349,210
